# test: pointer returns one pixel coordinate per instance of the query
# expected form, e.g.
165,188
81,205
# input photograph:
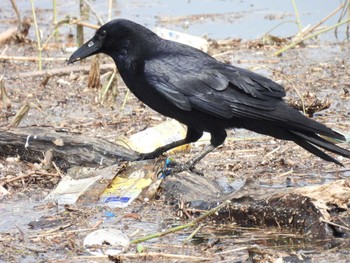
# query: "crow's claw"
167,169
172,167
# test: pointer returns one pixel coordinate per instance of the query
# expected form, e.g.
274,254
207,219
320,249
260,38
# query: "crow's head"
118,38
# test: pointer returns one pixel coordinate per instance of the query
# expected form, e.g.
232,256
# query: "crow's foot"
173,167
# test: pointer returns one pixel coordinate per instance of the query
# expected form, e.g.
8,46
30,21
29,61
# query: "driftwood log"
319,212
67,149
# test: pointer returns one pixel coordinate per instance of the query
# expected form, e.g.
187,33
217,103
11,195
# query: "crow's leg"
191,136
217,138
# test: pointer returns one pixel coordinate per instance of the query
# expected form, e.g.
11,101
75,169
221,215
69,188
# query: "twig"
45,173
73,21
37,35
345,10
278,25
341,170
259,61
63,232
285,173
334,224
149,255
125,99
14,6
232,250
164,255
58,170
293,44
99,19
85,24
80,29
94,79
19,58
20,115
322,21
5,102
58,228
22,176
4,50
17,246
62,71
105,88
20,230
49,38
54,3
178,228
192,234
297,17
19,177
271,152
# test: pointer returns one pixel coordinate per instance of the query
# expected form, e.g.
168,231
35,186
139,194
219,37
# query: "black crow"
206,95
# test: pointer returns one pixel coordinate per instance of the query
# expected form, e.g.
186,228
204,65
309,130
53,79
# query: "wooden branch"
21,58
149,256
311,211
318,212
64,70
68,149
181,227
7,34
84,24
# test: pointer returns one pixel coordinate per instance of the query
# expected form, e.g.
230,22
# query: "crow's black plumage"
190,86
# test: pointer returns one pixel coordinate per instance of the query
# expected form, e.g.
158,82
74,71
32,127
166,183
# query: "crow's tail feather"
309,141
307,138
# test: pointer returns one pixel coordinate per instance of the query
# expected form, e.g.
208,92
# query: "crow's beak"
90,48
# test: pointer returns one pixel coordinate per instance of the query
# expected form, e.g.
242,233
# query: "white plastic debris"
83,185
150,139
194,41
3,191
106,241
69,189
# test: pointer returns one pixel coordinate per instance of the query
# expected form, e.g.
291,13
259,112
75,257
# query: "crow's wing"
210,86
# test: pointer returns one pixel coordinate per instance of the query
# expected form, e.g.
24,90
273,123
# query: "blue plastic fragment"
109,214
165,171
122,199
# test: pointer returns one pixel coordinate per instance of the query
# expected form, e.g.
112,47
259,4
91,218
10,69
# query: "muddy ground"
32,230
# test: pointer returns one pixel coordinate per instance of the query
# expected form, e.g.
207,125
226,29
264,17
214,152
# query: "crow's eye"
103,34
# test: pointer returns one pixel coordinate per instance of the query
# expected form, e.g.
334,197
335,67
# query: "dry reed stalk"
300,27
5,102
63,71
83,16
20,115
54,7
19,58
37,36
181,227
14,6
106,87
94,73
299,40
